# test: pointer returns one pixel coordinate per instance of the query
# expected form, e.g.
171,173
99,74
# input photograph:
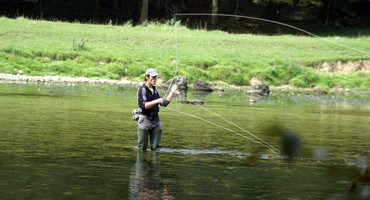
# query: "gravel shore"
19,79
61,79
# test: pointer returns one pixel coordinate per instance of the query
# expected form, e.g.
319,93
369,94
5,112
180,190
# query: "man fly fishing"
149,100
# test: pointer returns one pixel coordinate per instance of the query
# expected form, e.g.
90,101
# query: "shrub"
116,68
298,81
196,73
78,45
282,73
310,76
59,68
42,59
365,85
239,79
94,72
325,81
220,72
266,73
165,72
184,72
352,81
135,71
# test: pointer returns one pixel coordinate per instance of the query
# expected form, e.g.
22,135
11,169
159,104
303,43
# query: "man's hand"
174,89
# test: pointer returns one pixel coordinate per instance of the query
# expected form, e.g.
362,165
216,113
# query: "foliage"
44,48
329,12
78,46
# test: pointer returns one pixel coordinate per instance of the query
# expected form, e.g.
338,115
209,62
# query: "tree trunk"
236,7
96,12
327,15
144,11
330,11
41,13
214,12
236,12
265,12
116,11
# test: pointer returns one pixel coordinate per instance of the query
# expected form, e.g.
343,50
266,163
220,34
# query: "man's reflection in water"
145,180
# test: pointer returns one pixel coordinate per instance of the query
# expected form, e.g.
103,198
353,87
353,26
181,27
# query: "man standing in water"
149,123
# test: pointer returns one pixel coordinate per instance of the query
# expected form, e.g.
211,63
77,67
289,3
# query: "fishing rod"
256,140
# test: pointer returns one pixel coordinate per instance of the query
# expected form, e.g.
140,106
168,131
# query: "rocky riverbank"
21,79
61,79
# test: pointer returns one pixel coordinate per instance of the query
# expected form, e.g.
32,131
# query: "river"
79,142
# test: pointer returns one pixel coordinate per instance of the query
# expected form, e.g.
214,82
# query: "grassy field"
107,51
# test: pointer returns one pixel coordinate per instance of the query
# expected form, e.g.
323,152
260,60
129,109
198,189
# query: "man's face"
153,80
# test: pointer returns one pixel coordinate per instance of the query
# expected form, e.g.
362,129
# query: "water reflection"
69,138
145,180
201,94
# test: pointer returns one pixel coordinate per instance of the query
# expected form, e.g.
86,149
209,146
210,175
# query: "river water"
78,142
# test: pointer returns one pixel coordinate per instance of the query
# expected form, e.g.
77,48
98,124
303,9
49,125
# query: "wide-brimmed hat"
152,72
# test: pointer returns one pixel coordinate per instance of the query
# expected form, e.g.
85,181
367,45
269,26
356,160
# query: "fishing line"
273,149
176,60
271,21
260,141
264,143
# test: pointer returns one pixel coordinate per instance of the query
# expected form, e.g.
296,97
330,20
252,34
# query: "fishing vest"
152,113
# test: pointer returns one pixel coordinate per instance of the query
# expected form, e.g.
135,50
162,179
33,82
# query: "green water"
78,142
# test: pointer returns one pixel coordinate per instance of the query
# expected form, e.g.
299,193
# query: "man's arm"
150,104
168,99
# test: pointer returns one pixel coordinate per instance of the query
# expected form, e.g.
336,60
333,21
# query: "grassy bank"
106,51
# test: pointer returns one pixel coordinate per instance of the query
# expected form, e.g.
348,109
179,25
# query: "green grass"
106,51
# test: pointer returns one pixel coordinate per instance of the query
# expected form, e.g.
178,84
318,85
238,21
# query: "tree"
96,11
329,7
269,7
144,11
214,12
41,14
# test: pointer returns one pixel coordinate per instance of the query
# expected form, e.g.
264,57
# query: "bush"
240,80
325,81
116,68
298,81
229,73
365,85
59,68
351,81
305,77
196,73
42,60
220,72
285,73
135,71
266,73
94,72
165,73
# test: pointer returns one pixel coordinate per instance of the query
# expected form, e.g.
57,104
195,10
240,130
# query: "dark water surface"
78,142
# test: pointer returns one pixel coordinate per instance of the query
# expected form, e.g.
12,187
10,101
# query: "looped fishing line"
273,149
263,142
174,21
275,22
256,140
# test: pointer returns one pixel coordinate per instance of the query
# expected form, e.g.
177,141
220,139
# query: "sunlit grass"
106,51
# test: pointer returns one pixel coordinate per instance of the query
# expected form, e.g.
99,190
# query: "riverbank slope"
43,48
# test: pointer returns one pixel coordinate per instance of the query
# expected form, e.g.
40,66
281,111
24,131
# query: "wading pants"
148,128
